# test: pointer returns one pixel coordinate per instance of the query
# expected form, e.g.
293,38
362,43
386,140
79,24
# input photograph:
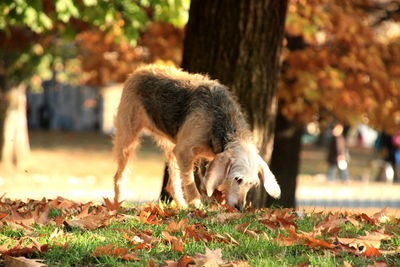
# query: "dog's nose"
239,207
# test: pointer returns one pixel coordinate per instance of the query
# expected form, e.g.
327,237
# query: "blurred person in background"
396,166
386,151
337,154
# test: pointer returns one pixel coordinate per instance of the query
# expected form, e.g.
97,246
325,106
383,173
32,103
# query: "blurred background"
63,62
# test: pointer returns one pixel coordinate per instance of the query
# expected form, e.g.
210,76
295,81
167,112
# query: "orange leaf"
175,242
371,251
130,257
119,251
110,205
102,250
177,245
185,261
177,227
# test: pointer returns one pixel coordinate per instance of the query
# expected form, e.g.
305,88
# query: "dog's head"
235,171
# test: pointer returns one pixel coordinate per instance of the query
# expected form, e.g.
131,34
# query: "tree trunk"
238,43
14,141
285,160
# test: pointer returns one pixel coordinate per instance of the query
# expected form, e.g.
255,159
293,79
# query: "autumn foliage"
107,57
157,225
341,62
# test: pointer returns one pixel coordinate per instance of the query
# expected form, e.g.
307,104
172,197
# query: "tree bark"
285,160
238,43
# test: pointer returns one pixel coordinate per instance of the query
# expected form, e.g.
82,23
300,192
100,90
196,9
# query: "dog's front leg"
185,160
174,186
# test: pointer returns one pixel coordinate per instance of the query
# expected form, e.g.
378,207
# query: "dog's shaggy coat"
191,117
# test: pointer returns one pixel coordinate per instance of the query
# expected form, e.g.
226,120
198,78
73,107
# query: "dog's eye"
238,180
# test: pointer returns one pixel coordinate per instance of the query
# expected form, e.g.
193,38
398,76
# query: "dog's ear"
268,179
217,172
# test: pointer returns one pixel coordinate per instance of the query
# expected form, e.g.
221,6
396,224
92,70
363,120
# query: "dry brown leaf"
360,243
378,264
176,243
212,258
92,222
228,240
382,216
330,225
22,262
110,205
62,203
177,227
226,216
236,264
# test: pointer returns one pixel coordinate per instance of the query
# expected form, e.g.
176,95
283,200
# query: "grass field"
65,233
73,233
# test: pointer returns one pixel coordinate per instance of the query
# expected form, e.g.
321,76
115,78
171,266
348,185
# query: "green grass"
260,250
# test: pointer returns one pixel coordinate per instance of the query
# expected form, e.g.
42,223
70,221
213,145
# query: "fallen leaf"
198,214
130,257
371,251
224,217
185,261
118,252
176,243
22,262
382,216
110,205
102,250
329,225
228,240
62,203
177,227
211,258
237,264
378,264
91,222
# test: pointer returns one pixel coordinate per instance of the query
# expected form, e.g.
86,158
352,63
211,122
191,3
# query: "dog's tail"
269,181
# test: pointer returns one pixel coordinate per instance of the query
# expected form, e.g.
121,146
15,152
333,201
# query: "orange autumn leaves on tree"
107,57
339,65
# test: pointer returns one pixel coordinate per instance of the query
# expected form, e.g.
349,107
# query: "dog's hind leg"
128,124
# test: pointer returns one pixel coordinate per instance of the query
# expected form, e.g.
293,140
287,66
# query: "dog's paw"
196,203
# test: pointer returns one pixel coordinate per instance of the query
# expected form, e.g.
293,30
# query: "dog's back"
169,96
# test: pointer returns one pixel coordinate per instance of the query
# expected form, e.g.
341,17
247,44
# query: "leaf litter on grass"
178,228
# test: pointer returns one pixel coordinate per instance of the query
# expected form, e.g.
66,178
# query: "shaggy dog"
191,117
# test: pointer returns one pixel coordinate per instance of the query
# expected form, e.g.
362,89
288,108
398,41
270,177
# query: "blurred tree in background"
343,54
37,41
341,60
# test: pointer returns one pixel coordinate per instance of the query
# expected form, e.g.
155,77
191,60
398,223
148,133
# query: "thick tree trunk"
14,141
238,43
